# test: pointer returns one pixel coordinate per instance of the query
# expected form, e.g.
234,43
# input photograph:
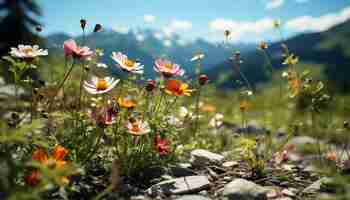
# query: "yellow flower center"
168,65
129,63
135,127
28,50
102,84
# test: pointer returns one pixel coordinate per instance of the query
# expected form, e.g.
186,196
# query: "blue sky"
248,20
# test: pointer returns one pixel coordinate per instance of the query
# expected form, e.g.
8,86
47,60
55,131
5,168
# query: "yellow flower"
126,102
291,60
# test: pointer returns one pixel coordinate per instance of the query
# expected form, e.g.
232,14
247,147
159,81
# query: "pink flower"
71,48
167,68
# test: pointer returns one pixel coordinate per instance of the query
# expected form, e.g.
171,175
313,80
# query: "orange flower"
263,46
208,108
332,156
56,160
126,102
244,105
40,156
177,88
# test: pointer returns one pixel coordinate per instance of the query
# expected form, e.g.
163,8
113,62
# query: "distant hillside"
151,48
329,48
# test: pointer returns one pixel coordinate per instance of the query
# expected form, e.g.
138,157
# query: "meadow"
78,131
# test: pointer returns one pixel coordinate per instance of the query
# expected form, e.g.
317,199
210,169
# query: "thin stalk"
197,111
81,85
62,83
237,67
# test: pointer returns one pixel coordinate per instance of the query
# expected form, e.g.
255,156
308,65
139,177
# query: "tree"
17,21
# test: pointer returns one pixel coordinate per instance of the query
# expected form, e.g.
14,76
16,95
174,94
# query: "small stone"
139,197
192,197
272,193
181,170
230,164
288,193
201,157
284,198
288,167
316,186
227,178
183,185
244,190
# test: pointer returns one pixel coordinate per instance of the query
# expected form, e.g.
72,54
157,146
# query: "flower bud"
237,56
98,28
227,33
151,84
263,46
82,23
38,29
203,79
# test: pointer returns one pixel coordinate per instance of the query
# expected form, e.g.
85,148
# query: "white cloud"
322,23
175,26
149,18
240,28
272,4
180,25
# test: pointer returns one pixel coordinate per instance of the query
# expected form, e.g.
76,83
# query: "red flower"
162,146
203,79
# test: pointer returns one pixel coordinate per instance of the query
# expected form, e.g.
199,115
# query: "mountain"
146,46
329,48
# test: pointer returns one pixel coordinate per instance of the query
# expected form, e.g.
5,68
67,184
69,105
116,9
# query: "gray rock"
9,90
139,197
183,185
316,186
181,170
230,164
201,157
192,197
2,81
300,141
244,190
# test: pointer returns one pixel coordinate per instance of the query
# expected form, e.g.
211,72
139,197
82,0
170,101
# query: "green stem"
197,111
81,85
62,83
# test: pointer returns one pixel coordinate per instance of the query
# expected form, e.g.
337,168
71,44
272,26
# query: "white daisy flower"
216,121
138,127
27,51
127,64
100,85
183,112
172,120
